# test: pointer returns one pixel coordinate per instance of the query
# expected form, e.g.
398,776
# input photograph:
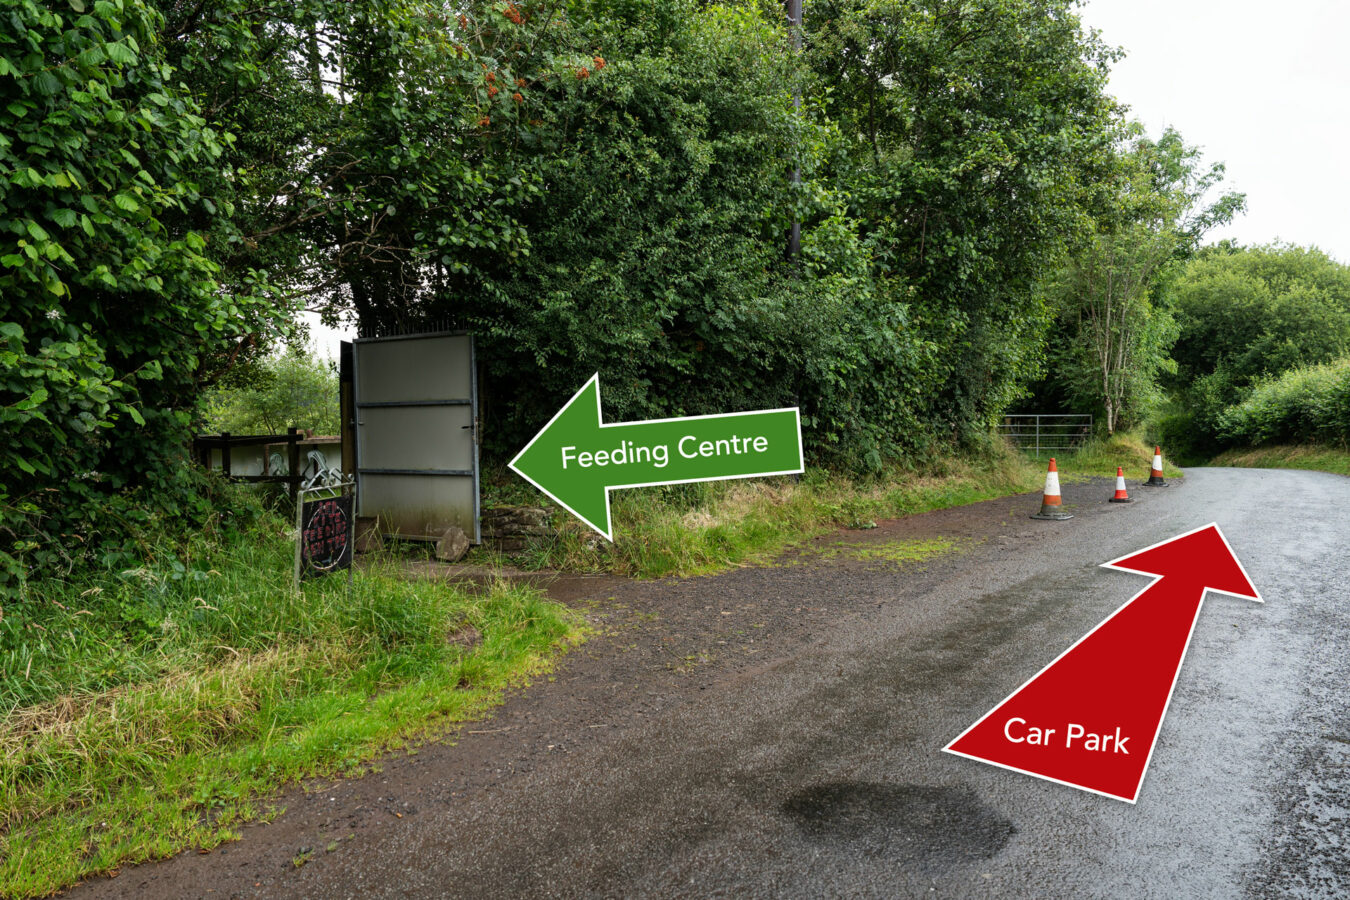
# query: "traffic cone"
1122,496
1051,507
1155,477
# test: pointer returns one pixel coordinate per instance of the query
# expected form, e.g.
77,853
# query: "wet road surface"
809,765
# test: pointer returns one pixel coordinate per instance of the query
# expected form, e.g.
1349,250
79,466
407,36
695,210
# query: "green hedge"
1307,404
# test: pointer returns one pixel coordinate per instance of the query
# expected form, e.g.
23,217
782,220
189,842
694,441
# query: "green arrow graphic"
577,461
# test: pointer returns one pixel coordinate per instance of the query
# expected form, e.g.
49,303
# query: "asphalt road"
813,769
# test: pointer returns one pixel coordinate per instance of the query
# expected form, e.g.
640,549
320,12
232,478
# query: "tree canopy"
1114,318
1249,312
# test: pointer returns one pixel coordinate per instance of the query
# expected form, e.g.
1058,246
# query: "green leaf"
120,53
133,412
38,396
46,84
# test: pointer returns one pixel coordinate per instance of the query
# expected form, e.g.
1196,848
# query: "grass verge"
1308,456
1101,456
156,709
697,529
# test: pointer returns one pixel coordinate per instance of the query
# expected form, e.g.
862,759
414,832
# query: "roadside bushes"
1310,404
1258,325
109,303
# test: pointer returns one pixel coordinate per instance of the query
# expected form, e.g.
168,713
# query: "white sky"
324,341
1263,87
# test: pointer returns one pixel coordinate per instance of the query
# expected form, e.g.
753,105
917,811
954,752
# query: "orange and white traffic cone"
1051,503
1155,477
1122,496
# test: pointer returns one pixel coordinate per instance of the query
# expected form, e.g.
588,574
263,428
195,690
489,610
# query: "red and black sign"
325,536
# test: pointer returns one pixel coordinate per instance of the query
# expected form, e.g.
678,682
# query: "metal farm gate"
1045,433
415,407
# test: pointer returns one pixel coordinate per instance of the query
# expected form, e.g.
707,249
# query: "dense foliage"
656,245
1306,404
109,305
1247,315
976,134
604,186
1114,318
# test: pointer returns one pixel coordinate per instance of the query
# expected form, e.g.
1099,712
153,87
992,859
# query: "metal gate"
415,400
1046,433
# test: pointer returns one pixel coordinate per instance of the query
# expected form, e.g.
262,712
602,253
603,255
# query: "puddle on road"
925,823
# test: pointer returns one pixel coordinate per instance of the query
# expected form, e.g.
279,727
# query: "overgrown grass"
702,528
155,709
697,529
1316,457
1100,457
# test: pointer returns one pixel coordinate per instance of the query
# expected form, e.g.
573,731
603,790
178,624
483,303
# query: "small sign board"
325,522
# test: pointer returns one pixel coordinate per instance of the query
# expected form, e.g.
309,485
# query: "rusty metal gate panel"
415,399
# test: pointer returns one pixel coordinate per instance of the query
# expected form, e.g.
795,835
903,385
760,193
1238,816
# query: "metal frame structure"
1046,432
358,405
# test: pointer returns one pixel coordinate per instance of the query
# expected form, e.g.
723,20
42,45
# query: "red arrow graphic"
1090,718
